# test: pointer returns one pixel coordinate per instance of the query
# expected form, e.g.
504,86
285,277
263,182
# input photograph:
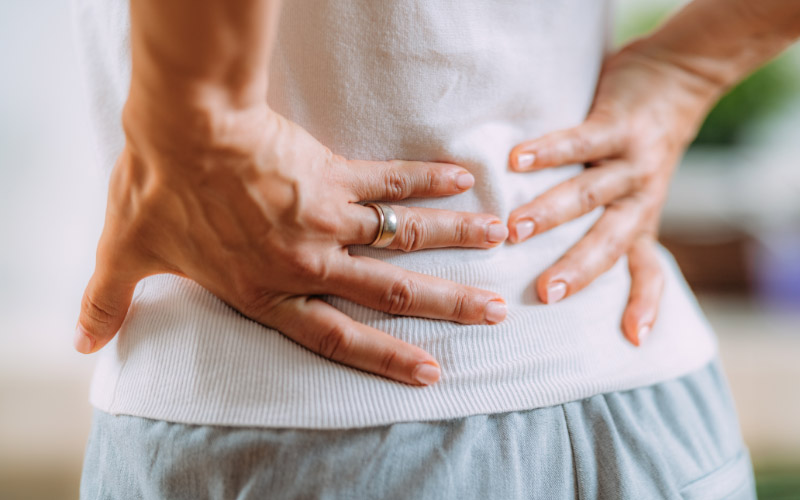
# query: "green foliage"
778,484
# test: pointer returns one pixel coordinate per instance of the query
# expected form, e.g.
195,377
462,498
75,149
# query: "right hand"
261,214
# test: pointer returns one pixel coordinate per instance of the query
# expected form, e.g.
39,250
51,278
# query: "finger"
420,228
394,290
103,309
595,139
327,331
400,179
109,292
595,187
647,284
594,254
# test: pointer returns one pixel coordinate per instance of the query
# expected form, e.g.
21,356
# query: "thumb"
103,309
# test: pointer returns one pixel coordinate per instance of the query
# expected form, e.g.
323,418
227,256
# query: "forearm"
722,41
194,61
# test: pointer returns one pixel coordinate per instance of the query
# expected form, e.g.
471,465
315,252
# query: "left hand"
645,113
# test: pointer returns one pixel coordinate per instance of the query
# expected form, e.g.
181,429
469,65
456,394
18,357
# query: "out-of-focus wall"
51,210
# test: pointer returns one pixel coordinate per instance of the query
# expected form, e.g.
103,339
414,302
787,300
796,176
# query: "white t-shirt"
461,81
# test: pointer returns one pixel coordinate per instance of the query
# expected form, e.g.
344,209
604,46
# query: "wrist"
199,67
188,131
207,52
661,96
175,88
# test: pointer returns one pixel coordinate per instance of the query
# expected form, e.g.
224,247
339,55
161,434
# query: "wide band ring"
387,225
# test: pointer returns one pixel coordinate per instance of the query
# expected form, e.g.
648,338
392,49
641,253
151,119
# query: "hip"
184,356
677,439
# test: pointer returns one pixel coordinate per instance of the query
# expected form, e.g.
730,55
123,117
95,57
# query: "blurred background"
732,221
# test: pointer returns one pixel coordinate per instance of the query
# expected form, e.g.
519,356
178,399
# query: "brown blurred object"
718,265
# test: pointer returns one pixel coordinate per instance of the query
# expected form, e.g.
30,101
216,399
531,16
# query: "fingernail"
495,312
556,291
84,343
525,160
496,233
465,181
524,228
426,374
643,333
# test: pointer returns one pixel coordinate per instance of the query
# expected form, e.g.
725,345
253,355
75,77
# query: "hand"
644,114
261,214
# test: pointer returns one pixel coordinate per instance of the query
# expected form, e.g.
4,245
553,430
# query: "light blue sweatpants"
675,440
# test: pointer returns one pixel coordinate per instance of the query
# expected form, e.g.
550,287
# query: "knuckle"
580,144
461,309
433,180
638,181
461,232
658,277
615,247
309,265
648,170
335,343
413,235
332,158
643,244
255,301
321,221
396,185
387,362
589,198
399,298
96,310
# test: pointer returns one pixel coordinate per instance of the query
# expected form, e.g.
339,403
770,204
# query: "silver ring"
387,225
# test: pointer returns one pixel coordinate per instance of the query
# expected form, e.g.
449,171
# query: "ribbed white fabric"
448,80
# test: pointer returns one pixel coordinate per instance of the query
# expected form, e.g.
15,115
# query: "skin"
214,186
650,102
